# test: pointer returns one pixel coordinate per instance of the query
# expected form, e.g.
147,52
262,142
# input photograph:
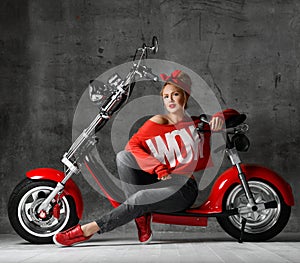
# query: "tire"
22,212
261,225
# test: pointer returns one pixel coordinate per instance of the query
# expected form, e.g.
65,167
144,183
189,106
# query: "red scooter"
250,202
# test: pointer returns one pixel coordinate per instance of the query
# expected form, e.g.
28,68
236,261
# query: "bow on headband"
175,79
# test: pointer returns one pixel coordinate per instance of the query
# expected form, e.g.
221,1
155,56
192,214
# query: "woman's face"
174,98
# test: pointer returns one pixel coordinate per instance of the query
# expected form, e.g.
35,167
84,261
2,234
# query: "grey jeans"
146,194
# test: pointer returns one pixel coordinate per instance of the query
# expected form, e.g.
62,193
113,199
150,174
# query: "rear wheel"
23,206
261,225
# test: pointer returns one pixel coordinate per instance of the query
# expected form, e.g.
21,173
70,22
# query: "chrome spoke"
35,195
257,221
62,210
29,218
259,199
27,208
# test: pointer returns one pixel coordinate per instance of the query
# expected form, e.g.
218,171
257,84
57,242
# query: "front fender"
214,203
57,176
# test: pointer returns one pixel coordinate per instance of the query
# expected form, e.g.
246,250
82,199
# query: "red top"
163,149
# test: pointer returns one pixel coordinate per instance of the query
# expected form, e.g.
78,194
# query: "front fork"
45,206
252,206
236,161
86,140
82,144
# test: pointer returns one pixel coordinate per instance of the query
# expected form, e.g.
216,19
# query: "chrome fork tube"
246,187
45,205
236,161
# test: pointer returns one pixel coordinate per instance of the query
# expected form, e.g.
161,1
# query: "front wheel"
22,211
260,225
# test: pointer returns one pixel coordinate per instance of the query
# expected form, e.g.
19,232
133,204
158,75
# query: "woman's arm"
145,160
218,119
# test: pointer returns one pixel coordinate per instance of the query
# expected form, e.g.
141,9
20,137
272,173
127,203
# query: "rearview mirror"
154,45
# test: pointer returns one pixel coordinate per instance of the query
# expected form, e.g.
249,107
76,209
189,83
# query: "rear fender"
57,176
226,180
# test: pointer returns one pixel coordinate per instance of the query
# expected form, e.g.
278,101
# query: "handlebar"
239,128
243,128
144,49
145,72
237,140
149,75
141,70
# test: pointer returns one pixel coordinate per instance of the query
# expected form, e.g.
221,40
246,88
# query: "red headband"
173,78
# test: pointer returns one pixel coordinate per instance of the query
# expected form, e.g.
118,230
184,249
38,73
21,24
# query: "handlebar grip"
146,72
150,75
204,118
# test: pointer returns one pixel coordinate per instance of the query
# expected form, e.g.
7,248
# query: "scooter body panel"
214,204
230,178
57,176
179,219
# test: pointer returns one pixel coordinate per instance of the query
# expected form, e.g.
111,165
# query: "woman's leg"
164,196
133,178
136,205
140,203
90,229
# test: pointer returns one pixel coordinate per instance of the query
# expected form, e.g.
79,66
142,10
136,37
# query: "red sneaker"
143,224
70,236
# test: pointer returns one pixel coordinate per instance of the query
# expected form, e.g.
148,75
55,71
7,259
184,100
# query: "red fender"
230,177
57,176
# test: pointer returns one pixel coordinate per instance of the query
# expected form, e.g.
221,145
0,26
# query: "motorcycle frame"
237,174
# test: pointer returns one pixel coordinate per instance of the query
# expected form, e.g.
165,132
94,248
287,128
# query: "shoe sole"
150,238
62,245
57,243
148,241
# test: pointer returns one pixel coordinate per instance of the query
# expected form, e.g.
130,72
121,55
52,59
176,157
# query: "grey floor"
165,247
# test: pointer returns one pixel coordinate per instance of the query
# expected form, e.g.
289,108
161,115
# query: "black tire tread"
13,203
230,229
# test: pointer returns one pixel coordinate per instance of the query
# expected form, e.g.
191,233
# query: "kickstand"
244,221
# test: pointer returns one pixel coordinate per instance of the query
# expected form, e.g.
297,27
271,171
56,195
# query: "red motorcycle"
250,202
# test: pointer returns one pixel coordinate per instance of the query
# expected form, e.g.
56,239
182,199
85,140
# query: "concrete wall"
247,51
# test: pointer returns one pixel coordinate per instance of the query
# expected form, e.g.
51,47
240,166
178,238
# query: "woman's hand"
167,177
216,123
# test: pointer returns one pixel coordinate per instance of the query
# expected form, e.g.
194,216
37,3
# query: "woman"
163,154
